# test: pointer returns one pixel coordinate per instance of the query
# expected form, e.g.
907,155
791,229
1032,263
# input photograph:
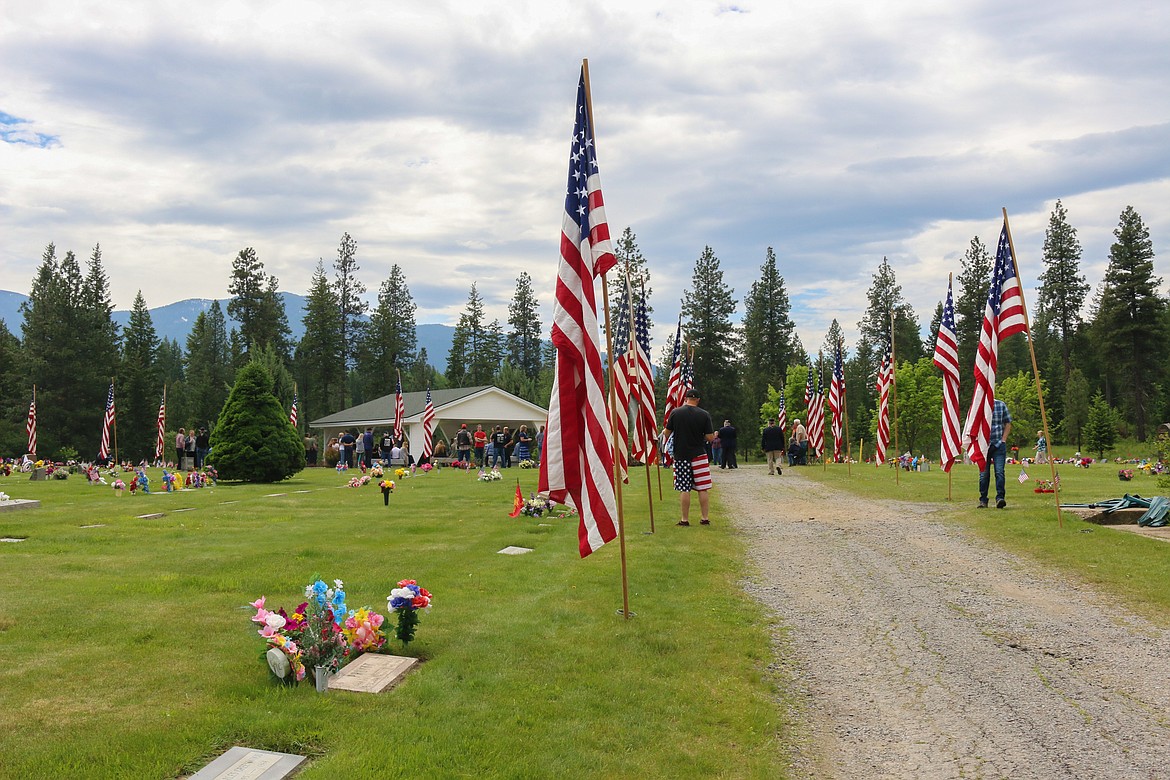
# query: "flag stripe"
30,427
107,421
428,425
946,357
161,429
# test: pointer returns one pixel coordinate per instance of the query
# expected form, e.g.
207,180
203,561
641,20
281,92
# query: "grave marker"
241,763
372,673
512,550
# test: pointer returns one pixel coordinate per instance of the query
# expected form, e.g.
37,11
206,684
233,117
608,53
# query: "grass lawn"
1129,566
126,651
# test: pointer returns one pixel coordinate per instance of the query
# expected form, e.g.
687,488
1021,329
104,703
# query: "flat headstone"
372,673
184,509
302,491
241,763
229,502
95,525
14,504
274,495
511,550
12,539
151,516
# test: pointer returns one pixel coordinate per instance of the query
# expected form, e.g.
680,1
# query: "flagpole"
950,469
34,420
844,410
821,409
617,482
894,404
163,455
1035,368
115,423
657,443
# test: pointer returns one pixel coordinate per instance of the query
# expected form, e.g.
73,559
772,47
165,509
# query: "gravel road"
913,650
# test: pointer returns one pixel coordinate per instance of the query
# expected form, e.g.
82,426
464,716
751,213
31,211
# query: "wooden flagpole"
657,442
1035,368
632,357
894,404
844,410
950,471
617,482
115,424
163,456
34,421
821,408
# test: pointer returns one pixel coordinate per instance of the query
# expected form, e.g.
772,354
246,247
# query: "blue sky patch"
14,130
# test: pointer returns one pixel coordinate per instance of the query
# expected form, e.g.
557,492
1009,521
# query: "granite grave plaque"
372,673
242,763
14,504
512,550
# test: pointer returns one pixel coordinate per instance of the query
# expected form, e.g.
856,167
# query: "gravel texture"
912,650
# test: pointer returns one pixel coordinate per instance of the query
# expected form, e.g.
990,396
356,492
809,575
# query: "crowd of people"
501,447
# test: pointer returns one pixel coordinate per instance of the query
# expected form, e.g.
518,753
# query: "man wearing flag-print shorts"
691,428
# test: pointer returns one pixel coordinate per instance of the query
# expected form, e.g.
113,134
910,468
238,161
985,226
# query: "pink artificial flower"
267,632
258,603
261,615
376,620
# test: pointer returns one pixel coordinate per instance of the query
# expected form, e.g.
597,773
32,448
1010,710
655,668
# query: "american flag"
645,440
1003,316
885,379
816,418
621,382
688,375
160,439
107,422
782,417
31,427
674,383
292,414
428,425
946,357
399,408
808,386
837,402
577,464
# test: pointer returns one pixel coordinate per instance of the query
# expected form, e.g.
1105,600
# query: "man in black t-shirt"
463,444
691,428
730,440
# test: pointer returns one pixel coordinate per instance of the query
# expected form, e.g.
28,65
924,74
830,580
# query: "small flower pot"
386,496
321,675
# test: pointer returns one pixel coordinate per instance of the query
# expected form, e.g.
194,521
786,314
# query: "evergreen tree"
1018,391
140,385
707,310
391,337
524,343
1101,428
350,305
467,363
919,388
252,441
256,304
1062,287
629,259
1076,408
320,363
15,394
974,280
833,337
767,332
1130,320
208,372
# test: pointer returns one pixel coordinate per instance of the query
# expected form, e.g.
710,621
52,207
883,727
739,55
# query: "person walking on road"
692,429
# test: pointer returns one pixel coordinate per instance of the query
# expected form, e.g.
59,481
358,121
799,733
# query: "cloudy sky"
436,133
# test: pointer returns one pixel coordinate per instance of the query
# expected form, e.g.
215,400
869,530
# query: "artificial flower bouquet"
426,468
405,601
536,506
460,464
528,463
400,473
361,481
1125,475
376,472
490,476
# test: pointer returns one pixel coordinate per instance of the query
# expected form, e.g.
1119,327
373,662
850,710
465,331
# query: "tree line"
1102,358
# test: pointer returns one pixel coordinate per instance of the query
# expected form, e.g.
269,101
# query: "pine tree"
467,344
350,305
391,337
1101,428
523,339
1130,319
1062,287
833,337
707,310
140,386
629,259
767,332
320,364
974,280
14,394
252,441
209,371
256,304
1076,408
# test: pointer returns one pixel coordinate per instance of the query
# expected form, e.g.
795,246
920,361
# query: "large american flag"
816,417
837,402
674,383
31,426
885,379
428,425
946,357
645,439
577,464
399,408
292,414
782,417
161,428
1003,316
107,422
621,382
808,386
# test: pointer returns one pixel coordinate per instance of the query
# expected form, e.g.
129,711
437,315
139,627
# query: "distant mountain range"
175,320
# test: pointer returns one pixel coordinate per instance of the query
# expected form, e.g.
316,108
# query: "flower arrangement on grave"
490,476
400,473
119,486
536,506
528,464
426,468
60,473
4,496
6,469
460,464
405,601
387,486
168,481
363,630
361,481
341,466
1125,475
1046,486
376,472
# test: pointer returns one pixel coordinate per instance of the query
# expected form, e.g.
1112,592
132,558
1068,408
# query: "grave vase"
321,675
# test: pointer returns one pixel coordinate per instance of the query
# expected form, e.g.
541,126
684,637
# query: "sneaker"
704,521
683,523
982,505
1000,504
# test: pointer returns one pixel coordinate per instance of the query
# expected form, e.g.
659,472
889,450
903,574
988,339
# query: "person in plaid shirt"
1001,428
